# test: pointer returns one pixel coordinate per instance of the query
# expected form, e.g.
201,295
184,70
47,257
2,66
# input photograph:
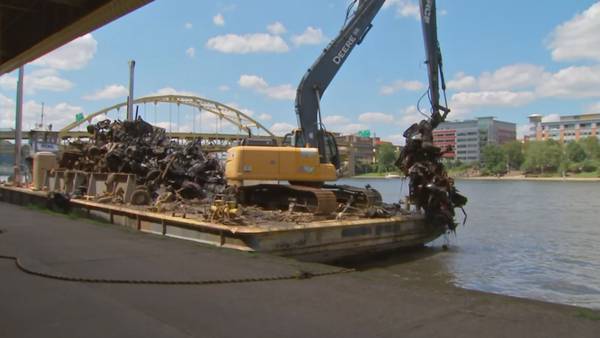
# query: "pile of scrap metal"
165,170
430,187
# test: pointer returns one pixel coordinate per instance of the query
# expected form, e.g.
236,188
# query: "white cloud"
74,55
188,25
173,91
281,128
46,79
512,77
40,79
8,82
409,116
514,84
404,8
578,38
397,139
259,85
572,82
311,36
351,128
247,43
474,100
375,117
191,52
252,81
343,125
276,28
551,118
197,122
219,20
523,130
401,85
246,111
58,115
109,92
265,117
7,112
462,81
335,120
593,109
224,88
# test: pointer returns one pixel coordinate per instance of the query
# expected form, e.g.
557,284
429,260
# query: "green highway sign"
364,133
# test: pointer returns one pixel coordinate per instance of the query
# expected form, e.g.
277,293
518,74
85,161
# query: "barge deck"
319,240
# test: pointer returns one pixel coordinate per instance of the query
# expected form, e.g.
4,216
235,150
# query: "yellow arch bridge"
240,125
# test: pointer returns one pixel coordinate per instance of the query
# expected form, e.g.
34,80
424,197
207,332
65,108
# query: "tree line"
542,157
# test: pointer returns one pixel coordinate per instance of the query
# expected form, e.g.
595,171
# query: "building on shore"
359,153
567,128
465,139
356,152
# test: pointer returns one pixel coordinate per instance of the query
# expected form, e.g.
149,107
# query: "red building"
445,139
467,138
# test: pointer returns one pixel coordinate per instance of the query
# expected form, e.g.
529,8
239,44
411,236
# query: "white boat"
392,176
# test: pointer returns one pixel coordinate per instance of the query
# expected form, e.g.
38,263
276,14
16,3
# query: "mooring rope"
296,276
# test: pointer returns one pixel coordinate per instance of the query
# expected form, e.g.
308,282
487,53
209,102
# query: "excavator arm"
321,73
430,187
433,61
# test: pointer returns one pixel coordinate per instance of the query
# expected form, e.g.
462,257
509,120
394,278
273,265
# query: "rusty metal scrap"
160,164
431,189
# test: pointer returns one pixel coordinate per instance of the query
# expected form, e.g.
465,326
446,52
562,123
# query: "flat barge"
317,240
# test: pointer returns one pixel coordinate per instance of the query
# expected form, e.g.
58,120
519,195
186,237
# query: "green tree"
543,156
386,156
514,154
534,156
494,159
553,155
591,146
575,152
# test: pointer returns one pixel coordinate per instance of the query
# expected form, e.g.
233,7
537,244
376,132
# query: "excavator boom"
433,61
321,73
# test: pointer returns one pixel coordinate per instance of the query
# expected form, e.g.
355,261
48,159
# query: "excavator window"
294,139
287,140
331,150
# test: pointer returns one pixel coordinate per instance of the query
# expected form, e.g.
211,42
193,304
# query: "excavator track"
360,197
275,196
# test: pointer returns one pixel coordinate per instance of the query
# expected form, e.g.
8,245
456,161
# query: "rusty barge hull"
318,241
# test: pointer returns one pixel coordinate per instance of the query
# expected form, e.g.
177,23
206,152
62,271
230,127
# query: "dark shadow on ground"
389,258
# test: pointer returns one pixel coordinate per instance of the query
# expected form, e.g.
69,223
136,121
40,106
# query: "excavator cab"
294,139
331,155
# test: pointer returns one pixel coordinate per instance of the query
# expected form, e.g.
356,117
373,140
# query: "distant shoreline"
524,178
494,178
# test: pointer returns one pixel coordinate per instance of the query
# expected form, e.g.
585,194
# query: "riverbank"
497,178
528,178
380,302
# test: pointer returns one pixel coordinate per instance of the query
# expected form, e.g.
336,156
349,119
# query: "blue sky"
507,59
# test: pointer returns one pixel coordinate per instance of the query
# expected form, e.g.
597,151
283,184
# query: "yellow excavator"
309,157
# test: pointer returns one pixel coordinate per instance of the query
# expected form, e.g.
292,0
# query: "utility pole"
130,98
18,127
42,118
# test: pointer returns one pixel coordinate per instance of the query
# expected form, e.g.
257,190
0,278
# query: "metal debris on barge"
130,173
268,197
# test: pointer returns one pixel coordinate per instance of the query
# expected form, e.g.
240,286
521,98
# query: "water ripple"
535,240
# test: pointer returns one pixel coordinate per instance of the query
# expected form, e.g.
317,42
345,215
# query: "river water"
530,239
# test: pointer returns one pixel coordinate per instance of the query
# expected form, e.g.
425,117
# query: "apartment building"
465,139
567,128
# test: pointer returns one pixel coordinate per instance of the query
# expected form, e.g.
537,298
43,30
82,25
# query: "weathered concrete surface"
375,303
